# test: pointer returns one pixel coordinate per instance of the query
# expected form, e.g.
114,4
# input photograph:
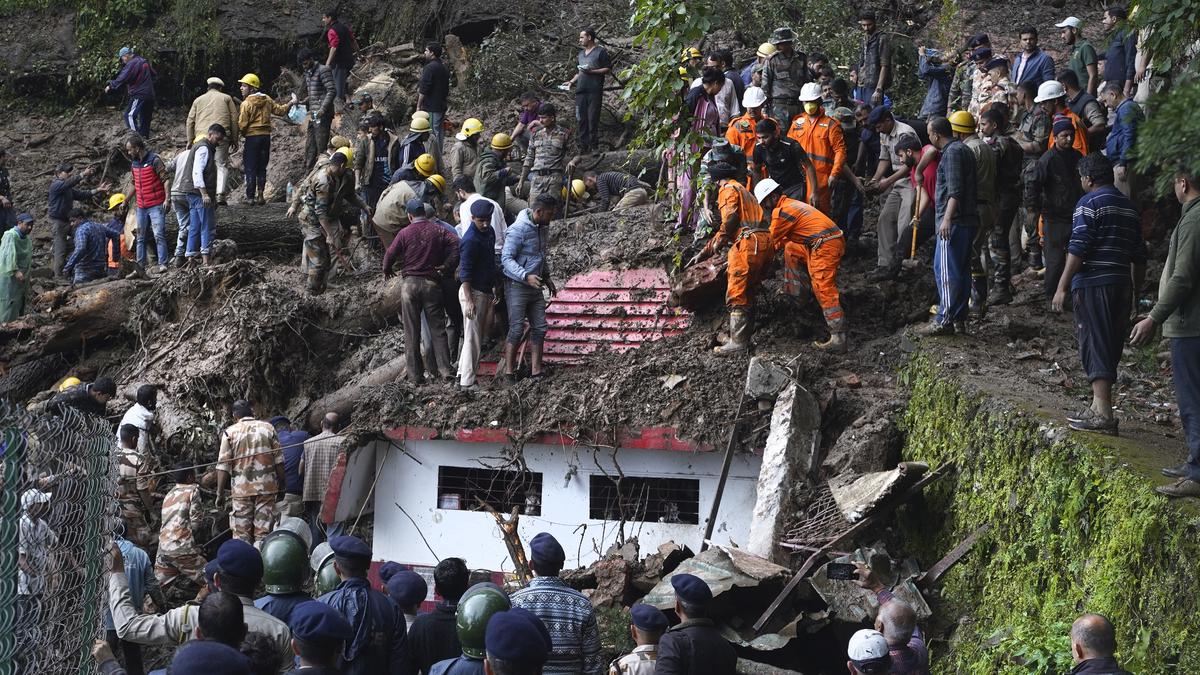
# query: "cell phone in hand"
841,572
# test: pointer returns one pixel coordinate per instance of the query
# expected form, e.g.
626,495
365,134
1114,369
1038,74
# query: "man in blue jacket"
379,641
1127,116
89,260
1032,64
138,75
526,265
63,195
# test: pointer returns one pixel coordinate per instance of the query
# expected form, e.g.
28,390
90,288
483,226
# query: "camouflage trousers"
252,518
137,530
187,563
549,182
315,260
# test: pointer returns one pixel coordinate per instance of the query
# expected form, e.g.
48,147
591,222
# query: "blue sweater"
1124,130
1106,232
476,258
139,75
937,77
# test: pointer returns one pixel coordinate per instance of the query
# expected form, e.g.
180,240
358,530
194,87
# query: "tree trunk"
342,401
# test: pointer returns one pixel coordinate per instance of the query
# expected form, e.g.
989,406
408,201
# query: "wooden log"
701,285
342,401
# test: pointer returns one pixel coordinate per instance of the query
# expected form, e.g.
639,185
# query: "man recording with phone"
898,622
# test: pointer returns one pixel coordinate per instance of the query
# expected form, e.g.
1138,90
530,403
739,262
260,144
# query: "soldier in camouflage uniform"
252,457
323,204
178,554
134,487
784,73
1033,135
547,156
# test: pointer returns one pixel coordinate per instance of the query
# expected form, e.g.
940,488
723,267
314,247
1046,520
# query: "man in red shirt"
342,46
923,165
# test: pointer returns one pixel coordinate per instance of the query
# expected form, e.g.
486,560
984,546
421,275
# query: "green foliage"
614,630
1172,26
1072,530
1168,138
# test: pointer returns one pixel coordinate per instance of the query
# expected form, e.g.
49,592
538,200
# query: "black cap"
547,110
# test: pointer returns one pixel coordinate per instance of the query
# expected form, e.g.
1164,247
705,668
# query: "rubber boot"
836,344
739,334
260,199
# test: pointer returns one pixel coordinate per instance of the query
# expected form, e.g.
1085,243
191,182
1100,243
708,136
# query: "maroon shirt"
424,249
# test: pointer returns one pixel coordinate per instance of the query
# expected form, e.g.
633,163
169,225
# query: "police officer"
694,645
378,644
285,570
407,589
319,633
783,75
547,156
475,609
519,640
206,657
646,626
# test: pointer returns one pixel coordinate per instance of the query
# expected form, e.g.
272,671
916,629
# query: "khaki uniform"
177,551
782,78
639,662
250,451
133,475
317,203
546,161
462,160
390,213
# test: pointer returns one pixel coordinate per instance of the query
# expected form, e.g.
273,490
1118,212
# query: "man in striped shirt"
567,614
1105,257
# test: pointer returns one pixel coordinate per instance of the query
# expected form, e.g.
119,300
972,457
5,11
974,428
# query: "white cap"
866,645
754,97
811,91
1069,22
764,188
1050,90
32,496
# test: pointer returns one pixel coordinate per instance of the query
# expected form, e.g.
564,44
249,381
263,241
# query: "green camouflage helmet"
327,576
478,605
285,558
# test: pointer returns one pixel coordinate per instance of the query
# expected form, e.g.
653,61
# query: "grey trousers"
895,213
62,234
419,297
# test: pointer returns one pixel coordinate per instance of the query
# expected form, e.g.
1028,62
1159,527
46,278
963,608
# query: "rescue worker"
525,261
783,74
89,260
962,123
15,255
114,228
412,146
134,487
377,156
626,189
252,458
492,174
202,209
993,128
216,107
547,156
137,75
809,240
694,645
254,121
820,136
1052,96
742,129
742,224
319,636
323,201
896,193
391,214
1056,191
408,590
752,73
646,626
319,93
178,554
783,160
149,174
475,609
692,61
63,195
464,156
285,572
378,645
1033,131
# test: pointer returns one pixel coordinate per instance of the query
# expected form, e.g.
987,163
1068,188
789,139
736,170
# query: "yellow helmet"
425,165
766,49
502,141
421,114
419,124
252,80
962,121
68,383
115,201
470,127
684,74
689,53
578,190
438,183
348,152
198,138
338,142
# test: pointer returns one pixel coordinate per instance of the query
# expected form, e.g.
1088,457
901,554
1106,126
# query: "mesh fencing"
57,508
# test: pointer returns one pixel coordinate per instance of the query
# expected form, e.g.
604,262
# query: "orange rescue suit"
742,223
809,239
741,132
821,137
1081,132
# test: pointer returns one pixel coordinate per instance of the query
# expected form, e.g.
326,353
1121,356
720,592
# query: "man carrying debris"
15,255
743,225
252,457
811,241
138,76
178,554
547,156
63,195
527,267
646,627
694,646
150,178
216,107
427,253
567,614
320,91
629,191
464,156
254,121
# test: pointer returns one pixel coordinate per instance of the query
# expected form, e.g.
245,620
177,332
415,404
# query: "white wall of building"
408,484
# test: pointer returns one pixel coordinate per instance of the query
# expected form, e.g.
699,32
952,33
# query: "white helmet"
1050,90
764,189
754,97
811,91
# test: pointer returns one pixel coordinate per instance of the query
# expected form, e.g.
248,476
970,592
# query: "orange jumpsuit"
742,223
741,133
821,137
809,238
1081,132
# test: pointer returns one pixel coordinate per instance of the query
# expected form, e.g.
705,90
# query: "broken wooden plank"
934,574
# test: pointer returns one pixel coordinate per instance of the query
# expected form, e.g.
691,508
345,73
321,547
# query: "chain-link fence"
56,511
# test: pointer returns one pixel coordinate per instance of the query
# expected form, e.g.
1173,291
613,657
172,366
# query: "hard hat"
470,127
962,121
348,152
68,383
754,97
327,577
318,555
425,165
811,91
766,49
115,201
689,53
252,80
764,189
421,115
283,556
419,124
1050,90
475,608
438,183
339,142
578,190
501,141
684,74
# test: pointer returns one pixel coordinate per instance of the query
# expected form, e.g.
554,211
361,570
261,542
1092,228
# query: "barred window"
662,500
462,488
